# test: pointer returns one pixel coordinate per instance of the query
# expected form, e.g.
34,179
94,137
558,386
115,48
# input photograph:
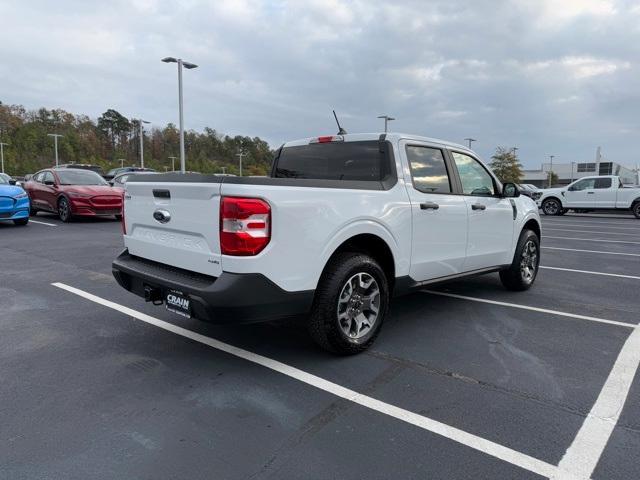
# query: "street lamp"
387,119
572,164
55,142
469,140
121,160
551,169
188,66
240,154
173,164
2,145
141,121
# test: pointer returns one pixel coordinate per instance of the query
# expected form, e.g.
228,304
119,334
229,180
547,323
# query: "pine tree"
506,166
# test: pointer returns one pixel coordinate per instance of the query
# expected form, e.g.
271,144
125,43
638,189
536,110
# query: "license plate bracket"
177,302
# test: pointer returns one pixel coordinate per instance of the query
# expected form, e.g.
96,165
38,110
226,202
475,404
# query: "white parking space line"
43,223
591,273
592,231
460,436
593,240
545,223
581,458
593,251
533,309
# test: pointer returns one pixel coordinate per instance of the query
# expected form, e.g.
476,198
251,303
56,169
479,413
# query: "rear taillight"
245,226
327,139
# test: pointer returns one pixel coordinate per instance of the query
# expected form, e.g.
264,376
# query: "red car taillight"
245,226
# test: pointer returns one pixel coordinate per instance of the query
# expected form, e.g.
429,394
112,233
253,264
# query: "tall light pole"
55,142
551,169
121,160
387,119
469,140
240,154
173,164
2,145
572,164
141,121
188,66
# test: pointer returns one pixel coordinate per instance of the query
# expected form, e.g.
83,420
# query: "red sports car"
73,192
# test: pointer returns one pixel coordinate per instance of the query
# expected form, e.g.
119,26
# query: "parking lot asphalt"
466,380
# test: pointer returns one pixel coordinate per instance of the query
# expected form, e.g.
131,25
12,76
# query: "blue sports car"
14,202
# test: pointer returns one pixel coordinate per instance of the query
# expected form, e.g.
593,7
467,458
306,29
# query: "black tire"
325,326
32,210
118,217
635,208
516,277
21,221
64,210
551,206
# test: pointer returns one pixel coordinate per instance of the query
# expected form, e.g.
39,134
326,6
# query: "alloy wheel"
358,305
529,261
551,207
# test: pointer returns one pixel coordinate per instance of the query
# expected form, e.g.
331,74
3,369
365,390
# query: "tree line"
113,139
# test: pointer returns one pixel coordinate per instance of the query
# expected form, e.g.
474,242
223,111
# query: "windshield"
4,180
80,177
114,171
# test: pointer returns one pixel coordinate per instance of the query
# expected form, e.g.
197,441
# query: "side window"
603,183
475,179
47,177
428,169
586,184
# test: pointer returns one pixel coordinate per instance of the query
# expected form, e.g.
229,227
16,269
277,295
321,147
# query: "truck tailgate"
174,223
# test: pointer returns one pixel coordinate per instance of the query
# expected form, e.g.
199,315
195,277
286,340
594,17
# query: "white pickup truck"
591,193
341,224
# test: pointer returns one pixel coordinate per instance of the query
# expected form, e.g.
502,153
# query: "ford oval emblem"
162,216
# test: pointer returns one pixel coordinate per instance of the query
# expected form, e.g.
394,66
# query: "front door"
581,194
491,221
439,217
606,192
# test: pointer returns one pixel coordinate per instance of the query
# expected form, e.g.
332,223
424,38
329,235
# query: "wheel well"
534,226
553,198
373,246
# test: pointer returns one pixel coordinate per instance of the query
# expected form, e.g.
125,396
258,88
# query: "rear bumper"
229,298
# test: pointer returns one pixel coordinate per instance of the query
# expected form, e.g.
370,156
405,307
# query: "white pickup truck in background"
342,224
591,193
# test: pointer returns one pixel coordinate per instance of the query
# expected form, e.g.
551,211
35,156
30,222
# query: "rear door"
606,190
581,194
491,219
439,215
174,222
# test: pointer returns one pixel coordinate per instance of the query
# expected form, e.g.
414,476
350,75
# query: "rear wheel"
636,209
350,305
551,206
526,260
21,221
64,210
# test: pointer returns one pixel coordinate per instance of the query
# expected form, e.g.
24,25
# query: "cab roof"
391,136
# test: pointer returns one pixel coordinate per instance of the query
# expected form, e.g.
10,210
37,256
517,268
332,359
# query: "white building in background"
568,172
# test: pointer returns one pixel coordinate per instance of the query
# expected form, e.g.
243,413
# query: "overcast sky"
548,76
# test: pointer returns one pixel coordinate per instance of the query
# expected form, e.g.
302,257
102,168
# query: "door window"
474,177
38,177
428,169
603,183
47,177
585,184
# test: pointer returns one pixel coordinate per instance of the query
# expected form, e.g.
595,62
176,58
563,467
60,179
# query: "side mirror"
49,182
510,190
12,182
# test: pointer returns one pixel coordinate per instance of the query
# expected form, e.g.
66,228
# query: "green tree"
554,179
506,166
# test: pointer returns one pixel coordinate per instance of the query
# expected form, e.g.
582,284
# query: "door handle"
429,206
478,206
590,193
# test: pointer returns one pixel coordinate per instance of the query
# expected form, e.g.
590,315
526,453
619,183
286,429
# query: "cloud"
544,76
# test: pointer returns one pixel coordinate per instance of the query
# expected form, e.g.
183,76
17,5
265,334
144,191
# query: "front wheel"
64,210
350,304
551,206
21,221
524,268
636,209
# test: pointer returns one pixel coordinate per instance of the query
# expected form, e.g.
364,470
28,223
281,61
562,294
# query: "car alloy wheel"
551,207
529,261
358,305
64,211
